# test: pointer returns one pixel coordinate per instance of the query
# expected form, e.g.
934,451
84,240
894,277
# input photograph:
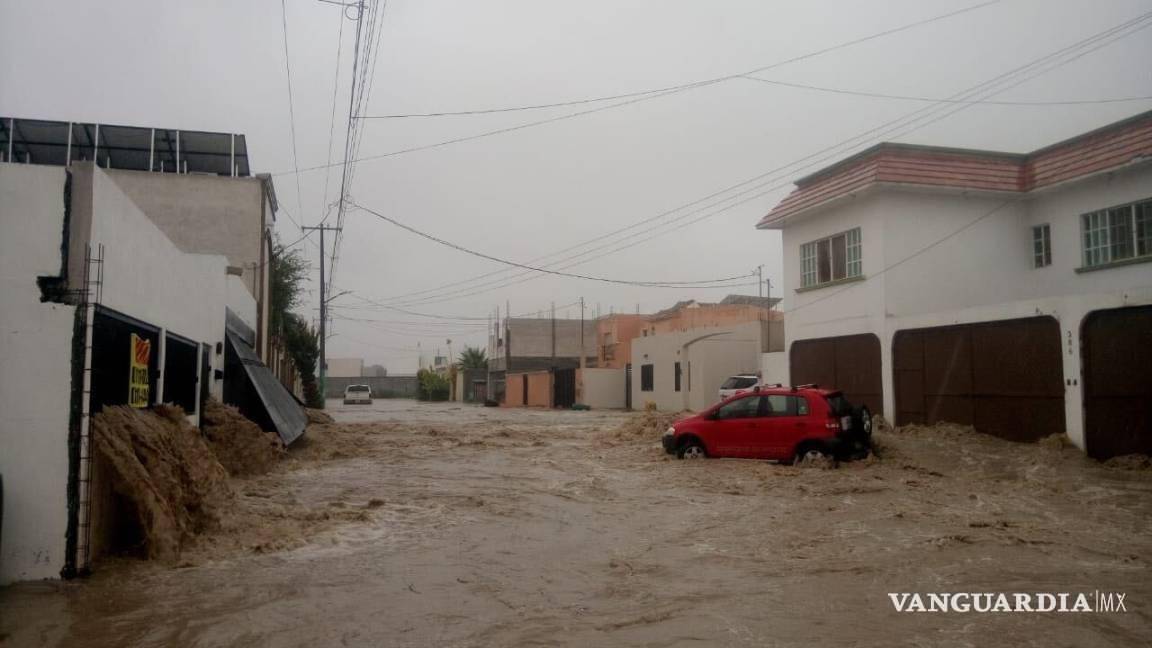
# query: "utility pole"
760,280
323,309
581,334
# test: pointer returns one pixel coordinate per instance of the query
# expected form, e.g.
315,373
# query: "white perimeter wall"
983,273
602,388
147,277
707,356
35,375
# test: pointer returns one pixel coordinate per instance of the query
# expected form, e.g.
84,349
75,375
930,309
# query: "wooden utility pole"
323,370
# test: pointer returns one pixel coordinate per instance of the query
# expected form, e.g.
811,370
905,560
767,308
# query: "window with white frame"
1117,234
835,258
1041,246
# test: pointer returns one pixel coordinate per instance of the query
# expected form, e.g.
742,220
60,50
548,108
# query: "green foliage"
288,273
432,386
302,342
473,358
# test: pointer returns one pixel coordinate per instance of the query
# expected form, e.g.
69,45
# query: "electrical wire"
985,102
883,130
647,94
291,109
635,97
489,257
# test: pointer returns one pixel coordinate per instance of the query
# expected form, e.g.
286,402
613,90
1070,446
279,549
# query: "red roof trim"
1099,150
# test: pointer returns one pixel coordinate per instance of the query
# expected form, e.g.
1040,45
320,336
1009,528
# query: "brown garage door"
850,363
1116,346
1003,378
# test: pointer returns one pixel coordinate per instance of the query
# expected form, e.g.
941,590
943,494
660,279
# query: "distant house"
685,353
518,346
1008,291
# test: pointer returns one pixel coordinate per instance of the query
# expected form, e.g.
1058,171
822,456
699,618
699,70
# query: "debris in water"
238,443
163,466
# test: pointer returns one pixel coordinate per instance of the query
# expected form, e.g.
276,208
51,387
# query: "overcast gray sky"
219,66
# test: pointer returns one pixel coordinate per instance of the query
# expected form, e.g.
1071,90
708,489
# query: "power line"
689,85
635,97
291,109
877,95
1114,33
332,115
482,255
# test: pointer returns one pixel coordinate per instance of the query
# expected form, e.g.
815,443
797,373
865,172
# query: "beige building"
345,367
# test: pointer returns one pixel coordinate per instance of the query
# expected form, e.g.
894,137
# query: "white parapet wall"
774,368
35,375
602,388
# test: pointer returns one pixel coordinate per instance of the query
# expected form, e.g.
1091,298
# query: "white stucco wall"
602,388
774,368
707,356
35,375
918,273
241,301
147,277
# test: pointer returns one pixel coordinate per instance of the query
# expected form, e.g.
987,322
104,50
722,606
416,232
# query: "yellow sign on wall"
141,349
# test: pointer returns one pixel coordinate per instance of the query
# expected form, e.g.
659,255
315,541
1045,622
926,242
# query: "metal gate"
1004,378
1116,349
563,388
850,363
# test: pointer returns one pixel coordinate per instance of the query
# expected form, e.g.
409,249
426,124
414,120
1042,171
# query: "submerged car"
787,424
739,384
357,394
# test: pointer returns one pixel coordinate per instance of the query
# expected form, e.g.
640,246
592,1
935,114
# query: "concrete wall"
533,338
707,358
382,386
919,272
208,214
601,388
35,375
774,368
145,275
241,301
345,367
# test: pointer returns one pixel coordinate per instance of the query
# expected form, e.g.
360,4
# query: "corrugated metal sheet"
1116,346
1003,378
262,398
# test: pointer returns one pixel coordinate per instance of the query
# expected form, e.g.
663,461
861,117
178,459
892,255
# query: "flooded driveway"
408,524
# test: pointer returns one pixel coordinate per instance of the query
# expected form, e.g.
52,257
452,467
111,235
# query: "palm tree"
473,358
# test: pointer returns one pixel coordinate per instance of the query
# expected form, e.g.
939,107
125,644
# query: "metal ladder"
90,297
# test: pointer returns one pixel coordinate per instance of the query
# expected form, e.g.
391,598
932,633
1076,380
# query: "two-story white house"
1012,292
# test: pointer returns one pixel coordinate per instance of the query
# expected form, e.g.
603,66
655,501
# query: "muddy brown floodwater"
409,524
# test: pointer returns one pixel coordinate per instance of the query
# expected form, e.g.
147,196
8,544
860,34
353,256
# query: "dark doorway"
563,388
180,369
1116,348
1003,378
112,358
850,363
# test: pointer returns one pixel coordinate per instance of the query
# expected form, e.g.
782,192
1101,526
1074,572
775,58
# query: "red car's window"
786,405
747,407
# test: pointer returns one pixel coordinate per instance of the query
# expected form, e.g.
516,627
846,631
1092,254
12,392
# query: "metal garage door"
1003,378
850,363
1116,347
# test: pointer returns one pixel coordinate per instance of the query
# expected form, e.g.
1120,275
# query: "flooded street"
413,524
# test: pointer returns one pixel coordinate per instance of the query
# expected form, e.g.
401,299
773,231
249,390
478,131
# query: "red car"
775,422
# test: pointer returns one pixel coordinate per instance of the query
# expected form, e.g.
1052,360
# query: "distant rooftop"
167,150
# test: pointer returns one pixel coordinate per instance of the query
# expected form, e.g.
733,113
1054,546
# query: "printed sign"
141,349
